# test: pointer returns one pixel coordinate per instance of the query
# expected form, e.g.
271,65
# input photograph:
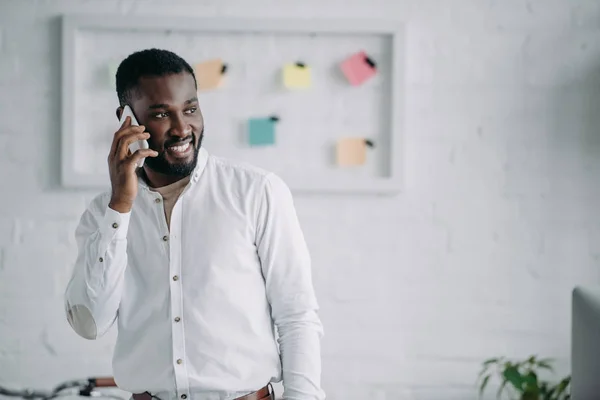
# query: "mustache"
191,138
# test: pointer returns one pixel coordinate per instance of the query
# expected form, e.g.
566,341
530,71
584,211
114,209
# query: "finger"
143,153
125,131
123,147
138,155
122,132
126,123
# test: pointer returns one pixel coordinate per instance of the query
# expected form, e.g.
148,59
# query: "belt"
265,393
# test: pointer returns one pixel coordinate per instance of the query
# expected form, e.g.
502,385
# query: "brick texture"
476,258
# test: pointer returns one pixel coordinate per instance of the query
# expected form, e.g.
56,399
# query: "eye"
191,110
159,115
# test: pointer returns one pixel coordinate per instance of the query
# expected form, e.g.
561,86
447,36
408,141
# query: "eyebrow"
162,105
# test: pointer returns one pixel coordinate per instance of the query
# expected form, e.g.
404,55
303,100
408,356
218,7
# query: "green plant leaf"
484,384
549,395
482,372
545,361
530,395
491,361
513,375
562,386
501,388
544,393
486,366
530,380
545,365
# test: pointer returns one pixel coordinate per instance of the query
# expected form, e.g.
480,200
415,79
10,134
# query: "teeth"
180,149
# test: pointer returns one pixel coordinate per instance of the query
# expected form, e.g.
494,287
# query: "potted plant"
520,380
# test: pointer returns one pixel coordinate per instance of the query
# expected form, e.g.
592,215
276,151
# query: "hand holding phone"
129,146
139,144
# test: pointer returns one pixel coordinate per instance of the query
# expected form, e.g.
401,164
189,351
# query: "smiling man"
201,261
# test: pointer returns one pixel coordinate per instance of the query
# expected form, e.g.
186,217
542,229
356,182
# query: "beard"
182,169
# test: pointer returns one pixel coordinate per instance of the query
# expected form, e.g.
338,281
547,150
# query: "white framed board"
313,121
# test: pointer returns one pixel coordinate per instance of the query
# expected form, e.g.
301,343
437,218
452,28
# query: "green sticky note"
261,131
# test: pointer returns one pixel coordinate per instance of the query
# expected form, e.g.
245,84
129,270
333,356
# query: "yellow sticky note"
351,151
209,74
296,76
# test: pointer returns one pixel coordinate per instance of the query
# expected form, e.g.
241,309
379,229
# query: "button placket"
174,246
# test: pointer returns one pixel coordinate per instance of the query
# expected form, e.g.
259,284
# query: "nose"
179,127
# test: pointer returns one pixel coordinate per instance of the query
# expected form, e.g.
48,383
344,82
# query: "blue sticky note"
261,131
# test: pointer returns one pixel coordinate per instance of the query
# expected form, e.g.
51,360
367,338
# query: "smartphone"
140,144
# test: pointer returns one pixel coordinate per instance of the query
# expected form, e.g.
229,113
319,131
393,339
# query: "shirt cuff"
115,224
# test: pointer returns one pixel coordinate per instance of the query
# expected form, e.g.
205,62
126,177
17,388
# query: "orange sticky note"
209,74
351,151
358,68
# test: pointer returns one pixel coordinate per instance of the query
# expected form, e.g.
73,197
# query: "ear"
119,112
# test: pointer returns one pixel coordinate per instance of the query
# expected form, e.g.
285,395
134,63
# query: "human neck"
157,180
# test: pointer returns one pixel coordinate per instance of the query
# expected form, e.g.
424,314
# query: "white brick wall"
476,258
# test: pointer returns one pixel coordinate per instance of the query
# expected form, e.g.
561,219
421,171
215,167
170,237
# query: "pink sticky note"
357,68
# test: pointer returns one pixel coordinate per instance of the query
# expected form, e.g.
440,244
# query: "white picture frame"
389,184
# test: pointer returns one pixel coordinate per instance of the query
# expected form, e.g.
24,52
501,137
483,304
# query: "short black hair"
149,62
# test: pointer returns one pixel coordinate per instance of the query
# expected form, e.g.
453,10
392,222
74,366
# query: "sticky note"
261,131
358,68
351,151
296,76
112,68
209,74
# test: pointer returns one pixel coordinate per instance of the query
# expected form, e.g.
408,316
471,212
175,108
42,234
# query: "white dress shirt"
197,305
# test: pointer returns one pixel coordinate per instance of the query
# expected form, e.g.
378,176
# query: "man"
197,258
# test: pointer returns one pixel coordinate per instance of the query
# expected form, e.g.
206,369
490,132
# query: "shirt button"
115,225
177,319
101,259
175,278
179,361
165,238
157,200
184,396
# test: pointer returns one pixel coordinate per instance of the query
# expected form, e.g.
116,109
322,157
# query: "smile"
181,150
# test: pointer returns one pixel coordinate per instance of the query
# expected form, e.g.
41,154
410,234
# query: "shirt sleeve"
93,293
286,266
